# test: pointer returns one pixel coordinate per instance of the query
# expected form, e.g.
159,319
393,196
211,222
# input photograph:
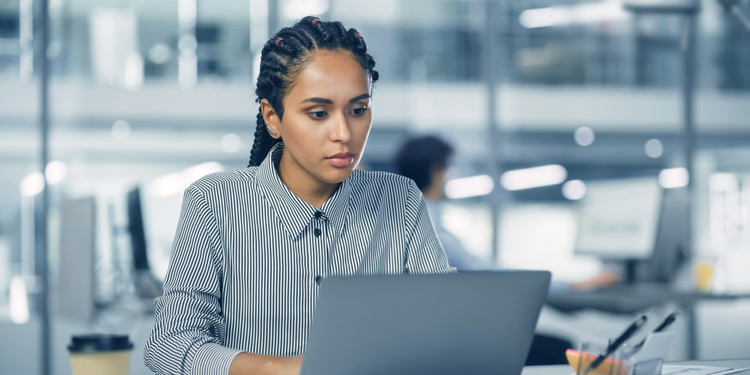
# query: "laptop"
465,323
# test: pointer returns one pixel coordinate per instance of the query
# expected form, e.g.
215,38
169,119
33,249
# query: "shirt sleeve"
188,331
424,254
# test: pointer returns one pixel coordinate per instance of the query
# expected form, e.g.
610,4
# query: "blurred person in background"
253,245
425,160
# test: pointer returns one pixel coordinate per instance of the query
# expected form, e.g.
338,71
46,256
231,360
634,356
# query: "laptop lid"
475,322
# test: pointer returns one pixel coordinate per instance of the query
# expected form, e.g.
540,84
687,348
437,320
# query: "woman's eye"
318,114
358,111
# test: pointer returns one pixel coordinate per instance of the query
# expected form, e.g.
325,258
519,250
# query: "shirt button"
318,214
317,232
317,279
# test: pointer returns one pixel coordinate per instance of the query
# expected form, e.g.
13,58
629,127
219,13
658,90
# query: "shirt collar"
294,213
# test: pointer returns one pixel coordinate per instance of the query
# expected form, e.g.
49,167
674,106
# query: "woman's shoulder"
385,182
361,176
234,178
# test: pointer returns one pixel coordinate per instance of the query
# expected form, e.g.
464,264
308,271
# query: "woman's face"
326,119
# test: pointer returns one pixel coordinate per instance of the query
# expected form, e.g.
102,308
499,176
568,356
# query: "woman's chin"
336,175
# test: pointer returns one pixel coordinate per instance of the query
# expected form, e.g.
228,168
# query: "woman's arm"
188,333
259,364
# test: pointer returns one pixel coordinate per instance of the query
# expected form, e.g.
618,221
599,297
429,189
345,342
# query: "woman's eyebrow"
318,100
329,101
360,97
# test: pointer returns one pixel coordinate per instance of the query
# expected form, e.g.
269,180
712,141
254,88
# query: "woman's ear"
271,118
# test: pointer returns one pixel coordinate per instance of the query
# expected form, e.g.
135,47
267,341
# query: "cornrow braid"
285,55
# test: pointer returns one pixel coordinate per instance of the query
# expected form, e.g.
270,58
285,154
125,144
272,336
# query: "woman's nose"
340,129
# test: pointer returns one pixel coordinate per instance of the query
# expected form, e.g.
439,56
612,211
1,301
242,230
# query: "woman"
253,245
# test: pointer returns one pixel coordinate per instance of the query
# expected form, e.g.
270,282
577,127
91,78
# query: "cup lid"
99,342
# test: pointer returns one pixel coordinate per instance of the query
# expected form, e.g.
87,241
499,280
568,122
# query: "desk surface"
630,298
566,370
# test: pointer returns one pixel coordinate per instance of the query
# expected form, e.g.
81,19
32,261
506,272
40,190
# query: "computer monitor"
671,241
619,219
77,259
136,230
635,222
145,282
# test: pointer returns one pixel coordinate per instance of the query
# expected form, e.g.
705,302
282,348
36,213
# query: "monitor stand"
630,271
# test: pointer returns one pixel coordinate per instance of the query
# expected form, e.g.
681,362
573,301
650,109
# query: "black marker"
663,326
629,332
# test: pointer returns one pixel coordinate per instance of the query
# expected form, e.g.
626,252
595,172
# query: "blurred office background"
147,96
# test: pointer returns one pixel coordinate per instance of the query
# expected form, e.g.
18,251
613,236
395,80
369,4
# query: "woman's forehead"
334,75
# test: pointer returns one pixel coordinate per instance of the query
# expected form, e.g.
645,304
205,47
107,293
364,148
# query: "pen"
663,326
630,331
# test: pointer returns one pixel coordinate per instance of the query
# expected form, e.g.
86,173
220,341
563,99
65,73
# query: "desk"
566,370
629,299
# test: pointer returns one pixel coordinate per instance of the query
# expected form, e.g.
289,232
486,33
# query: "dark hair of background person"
286,54
418,157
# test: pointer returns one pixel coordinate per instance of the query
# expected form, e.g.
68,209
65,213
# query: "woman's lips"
341,160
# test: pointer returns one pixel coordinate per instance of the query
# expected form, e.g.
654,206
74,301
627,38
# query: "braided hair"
285,55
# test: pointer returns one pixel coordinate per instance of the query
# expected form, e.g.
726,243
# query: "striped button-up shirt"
248,257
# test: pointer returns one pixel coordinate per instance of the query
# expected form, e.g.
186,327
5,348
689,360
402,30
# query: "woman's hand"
260,364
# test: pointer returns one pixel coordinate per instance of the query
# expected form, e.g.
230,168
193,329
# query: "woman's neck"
302,184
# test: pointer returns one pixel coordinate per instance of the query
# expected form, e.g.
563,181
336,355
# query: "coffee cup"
97,354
